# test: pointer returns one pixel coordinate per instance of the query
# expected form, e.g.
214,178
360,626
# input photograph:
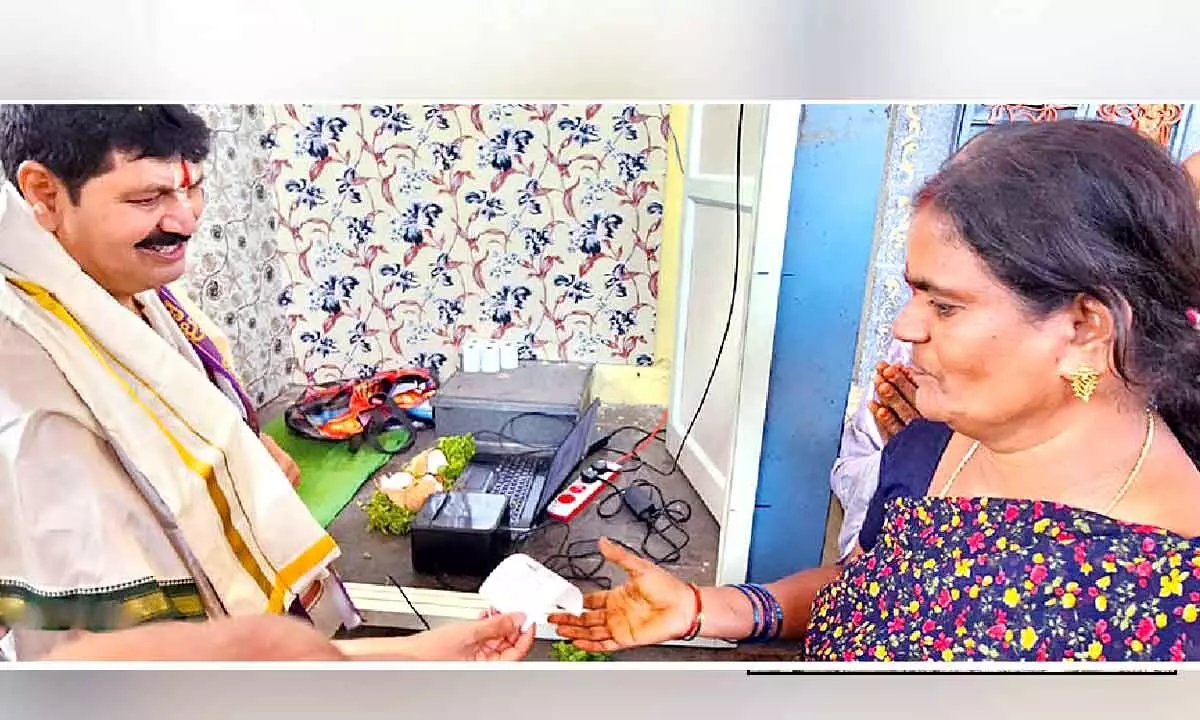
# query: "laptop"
530,480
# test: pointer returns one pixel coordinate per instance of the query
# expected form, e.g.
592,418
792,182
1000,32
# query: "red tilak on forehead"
187,175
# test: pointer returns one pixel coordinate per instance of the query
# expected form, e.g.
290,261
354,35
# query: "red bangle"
694,629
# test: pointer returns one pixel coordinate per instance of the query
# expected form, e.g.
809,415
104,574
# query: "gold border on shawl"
206,471
298,568
137,603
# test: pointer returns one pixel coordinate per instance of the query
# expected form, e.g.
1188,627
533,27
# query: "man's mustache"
162,239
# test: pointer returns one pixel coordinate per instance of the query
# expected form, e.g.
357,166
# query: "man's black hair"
77,142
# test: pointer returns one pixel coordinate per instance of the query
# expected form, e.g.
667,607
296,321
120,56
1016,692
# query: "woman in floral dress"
1046,506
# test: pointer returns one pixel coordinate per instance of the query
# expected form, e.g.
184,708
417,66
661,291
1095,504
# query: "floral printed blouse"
953,579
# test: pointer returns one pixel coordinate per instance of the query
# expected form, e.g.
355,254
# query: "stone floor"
371,558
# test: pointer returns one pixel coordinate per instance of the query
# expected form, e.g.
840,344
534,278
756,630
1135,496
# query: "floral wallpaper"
234,270
405,229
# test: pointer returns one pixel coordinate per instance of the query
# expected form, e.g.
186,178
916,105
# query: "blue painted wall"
839,167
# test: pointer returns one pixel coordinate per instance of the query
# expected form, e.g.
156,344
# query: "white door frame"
769,198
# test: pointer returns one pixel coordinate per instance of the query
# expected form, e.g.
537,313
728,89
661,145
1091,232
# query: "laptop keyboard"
514,477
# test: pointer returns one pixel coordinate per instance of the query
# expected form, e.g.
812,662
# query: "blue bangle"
778,615
753,606
772,611
768,628
762,618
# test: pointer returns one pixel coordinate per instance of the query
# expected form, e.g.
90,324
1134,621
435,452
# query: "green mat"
331,475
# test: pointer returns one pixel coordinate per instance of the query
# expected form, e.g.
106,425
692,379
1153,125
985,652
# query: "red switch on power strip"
575,498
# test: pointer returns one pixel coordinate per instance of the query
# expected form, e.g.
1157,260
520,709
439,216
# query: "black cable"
662,519
569,560
635,455
566,559
410,602
534,447
507,426
602,443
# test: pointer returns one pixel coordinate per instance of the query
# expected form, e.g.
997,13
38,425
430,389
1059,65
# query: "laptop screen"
568,455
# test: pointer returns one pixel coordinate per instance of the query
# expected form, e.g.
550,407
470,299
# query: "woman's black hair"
1061,209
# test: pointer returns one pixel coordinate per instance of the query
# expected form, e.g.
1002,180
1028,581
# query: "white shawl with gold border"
244,542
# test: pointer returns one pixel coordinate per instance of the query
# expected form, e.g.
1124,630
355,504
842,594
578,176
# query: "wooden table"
370,558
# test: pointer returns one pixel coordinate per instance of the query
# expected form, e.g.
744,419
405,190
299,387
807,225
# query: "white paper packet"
522,584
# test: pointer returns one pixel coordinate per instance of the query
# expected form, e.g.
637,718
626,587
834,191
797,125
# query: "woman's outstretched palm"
651,607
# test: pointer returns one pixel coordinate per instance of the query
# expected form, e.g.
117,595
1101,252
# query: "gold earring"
1083,382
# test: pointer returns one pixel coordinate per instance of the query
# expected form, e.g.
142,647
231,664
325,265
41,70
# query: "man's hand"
282,459
896,405
493,637
253,638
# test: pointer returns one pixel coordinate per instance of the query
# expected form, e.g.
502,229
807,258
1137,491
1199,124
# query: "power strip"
578,494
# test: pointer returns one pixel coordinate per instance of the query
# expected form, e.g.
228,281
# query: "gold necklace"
1137,467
